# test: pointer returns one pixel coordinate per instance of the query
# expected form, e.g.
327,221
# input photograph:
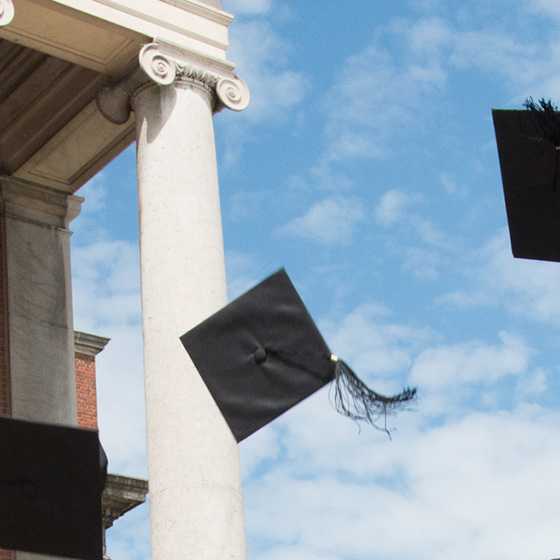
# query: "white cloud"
330,221
391,207
106,283
371,343
423,263
106,293
528,287
95,193
129,537
246,204
532,385
445,367
485,486
548,8
449,182
276,88
247,7
243,272
495,50
418,241
428,37
525,287
260,55
366,106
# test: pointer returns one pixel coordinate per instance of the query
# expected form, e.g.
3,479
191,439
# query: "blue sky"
366,165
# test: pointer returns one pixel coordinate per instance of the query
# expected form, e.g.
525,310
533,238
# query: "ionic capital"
165,66
6,12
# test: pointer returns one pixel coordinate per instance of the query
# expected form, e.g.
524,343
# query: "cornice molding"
6,12
189,6
164,65
202,9
193,24
89,344
40,205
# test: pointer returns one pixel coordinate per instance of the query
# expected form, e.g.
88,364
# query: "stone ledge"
121,494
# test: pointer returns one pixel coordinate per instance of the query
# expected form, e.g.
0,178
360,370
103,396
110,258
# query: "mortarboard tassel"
547,120
354,399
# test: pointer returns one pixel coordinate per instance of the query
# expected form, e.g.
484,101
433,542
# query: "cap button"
260,355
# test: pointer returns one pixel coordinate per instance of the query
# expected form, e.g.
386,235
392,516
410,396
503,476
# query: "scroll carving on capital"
6,12
159,68
233,93
163,68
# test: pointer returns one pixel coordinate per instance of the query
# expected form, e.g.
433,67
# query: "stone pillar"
196,504
38,301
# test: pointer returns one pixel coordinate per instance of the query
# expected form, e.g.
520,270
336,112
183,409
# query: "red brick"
86,391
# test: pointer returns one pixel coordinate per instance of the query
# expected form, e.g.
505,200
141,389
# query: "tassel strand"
354,399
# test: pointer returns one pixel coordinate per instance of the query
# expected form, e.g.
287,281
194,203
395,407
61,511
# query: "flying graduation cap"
529,152
262,354
51,480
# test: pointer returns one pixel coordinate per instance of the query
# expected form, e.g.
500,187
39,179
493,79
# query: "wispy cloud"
106,294
276,87
106,283
106,287
252,7
391,207
372,343
374,97
524,287
259,53
243,272
447,366
330,221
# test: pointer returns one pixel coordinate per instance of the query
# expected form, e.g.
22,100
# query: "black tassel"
354,399
547,121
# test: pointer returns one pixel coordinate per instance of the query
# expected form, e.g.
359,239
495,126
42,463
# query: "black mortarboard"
51,481
529,151
262,354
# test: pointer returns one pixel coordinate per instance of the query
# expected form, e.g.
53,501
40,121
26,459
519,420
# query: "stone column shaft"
195,483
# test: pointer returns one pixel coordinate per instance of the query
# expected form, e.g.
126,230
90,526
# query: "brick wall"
5,554
86,391
87,346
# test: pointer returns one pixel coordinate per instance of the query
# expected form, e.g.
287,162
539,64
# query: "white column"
38,301
195,482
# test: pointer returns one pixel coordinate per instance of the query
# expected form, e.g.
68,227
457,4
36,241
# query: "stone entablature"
61,138
190,24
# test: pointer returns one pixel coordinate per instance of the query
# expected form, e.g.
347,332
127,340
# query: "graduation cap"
529,152
51,480
262,354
